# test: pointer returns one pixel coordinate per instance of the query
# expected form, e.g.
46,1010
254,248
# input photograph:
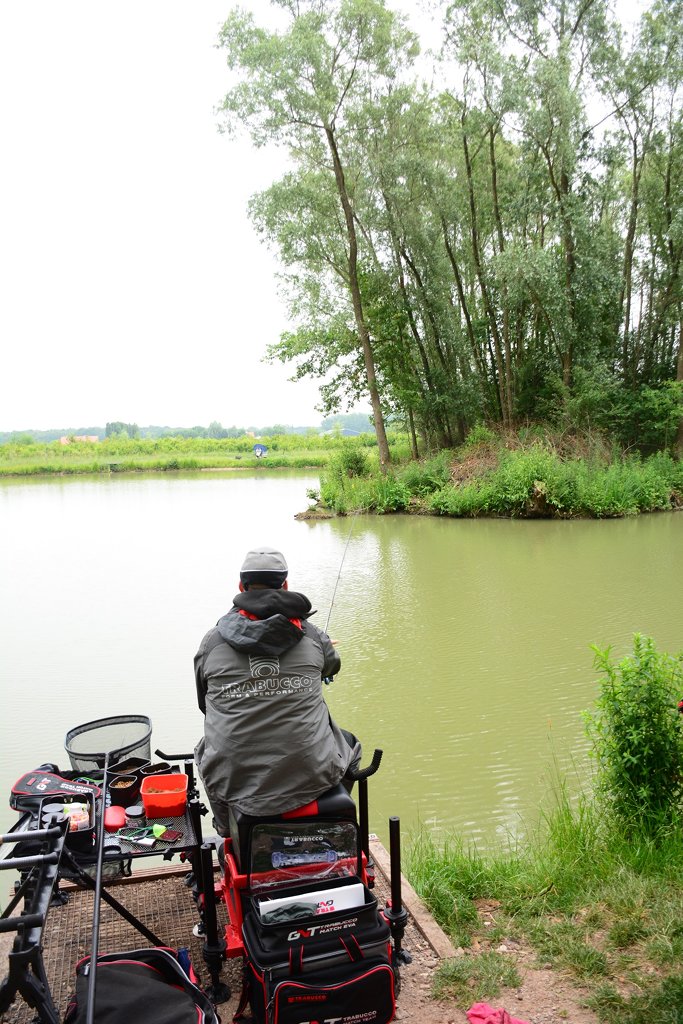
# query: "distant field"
116,455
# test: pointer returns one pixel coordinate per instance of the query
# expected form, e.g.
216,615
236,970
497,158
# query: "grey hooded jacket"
269,743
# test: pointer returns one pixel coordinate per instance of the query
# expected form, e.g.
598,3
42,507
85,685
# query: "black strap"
243,1003
350,944
352,947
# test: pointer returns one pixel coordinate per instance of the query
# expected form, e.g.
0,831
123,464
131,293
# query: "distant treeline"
354,423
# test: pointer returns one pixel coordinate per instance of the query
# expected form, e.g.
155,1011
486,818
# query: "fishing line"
341,566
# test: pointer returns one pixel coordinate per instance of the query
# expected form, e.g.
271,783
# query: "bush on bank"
637,739
597,887
485,478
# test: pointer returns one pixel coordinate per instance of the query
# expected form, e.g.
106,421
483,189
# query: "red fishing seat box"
164,796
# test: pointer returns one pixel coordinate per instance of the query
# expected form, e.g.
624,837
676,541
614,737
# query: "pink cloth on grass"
482,1013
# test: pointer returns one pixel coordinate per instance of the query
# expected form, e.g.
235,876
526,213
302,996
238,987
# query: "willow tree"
307,83
526,69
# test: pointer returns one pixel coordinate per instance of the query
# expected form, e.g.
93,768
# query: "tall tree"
305,86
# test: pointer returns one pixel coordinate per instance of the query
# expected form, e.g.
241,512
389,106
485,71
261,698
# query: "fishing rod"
99,867
341,566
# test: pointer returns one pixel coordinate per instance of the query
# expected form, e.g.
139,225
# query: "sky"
133,285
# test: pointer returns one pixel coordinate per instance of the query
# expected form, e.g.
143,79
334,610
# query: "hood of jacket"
266,626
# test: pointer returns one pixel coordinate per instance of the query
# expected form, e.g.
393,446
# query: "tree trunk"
501,245
488,305
627,278
464,305
446,426
413,435
398,249
679,378
356,298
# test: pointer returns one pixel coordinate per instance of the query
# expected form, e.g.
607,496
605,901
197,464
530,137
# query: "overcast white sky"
133,285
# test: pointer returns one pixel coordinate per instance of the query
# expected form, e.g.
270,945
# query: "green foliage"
648,417
480,434
422,478
537,481
643,417
349,461
473,499
661,1005
513,261
377,493
118,454
589,896
390,495
358,422
637,737
120,429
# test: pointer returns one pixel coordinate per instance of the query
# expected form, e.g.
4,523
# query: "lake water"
465,644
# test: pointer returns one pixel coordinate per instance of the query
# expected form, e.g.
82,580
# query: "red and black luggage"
334,966
156,985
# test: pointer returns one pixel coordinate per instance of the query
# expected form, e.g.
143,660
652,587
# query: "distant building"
343,432
92,438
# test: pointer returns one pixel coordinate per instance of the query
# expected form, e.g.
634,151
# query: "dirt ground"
544,997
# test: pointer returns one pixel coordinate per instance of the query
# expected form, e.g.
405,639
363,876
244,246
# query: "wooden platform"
163,902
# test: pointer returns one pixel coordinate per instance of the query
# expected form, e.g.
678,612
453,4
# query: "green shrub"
391,495
480,434
473,499
350,461
422,478
377,493
637,738
518,474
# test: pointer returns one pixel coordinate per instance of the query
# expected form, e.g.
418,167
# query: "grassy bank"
118,455
508,476
597,888
514,475
590,902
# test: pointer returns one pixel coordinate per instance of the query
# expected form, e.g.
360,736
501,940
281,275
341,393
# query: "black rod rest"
397,915
361,776
213,950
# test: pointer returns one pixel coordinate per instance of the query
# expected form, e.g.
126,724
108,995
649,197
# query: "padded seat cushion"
334,804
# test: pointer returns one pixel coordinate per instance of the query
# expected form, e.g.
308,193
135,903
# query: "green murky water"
465,645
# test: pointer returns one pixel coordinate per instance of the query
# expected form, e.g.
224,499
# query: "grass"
490,475
513,480
606,908
471,980
54,464
119,455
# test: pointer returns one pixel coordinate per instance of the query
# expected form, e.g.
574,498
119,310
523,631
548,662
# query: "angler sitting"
269,744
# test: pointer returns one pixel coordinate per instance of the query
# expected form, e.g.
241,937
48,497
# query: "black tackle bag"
155,985
333,966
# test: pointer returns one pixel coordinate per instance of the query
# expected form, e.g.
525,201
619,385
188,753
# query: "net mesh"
121,736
